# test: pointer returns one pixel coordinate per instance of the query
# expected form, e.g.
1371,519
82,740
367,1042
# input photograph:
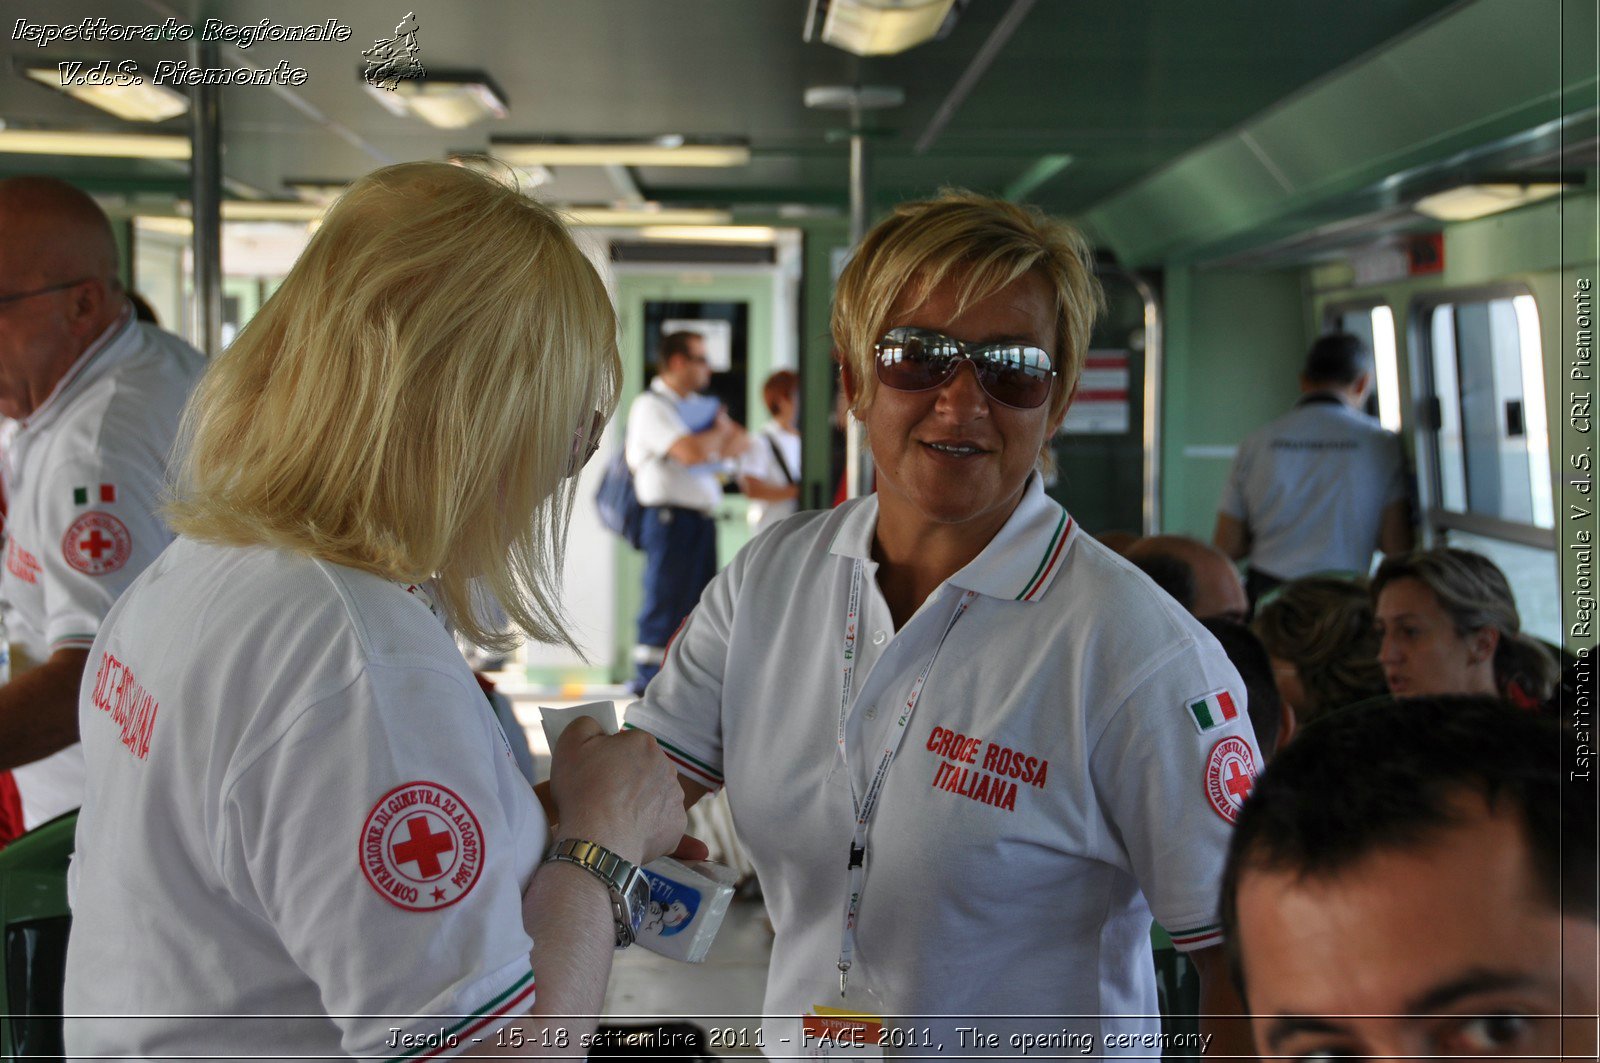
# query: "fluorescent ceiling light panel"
320,192
445,101
1477,201
882,27
600,216
720,234
521,178
270,210
635,154
165,225
145,102
97,145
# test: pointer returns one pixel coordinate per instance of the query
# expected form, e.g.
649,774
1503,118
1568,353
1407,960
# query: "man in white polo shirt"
93,399
675,439
1321,487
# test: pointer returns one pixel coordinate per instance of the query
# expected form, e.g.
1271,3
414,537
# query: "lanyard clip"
858,855
844,969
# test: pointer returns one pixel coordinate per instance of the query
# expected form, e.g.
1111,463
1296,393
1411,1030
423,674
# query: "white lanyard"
864,807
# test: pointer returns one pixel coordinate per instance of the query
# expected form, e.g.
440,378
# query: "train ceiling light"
1466,202
116,93
649,214
322,193
91,144
660,151
444,100
880,27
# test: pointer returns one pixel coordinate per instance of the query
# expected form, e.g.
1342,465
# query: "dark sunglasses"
1012,374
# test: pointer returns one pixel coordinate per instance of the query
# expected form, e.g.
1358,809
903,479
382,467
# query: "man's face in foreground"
1445,948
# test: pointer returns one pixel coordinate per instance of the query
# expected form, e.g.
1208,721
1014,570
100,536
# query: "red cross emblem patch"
421,847
97,544
1230,776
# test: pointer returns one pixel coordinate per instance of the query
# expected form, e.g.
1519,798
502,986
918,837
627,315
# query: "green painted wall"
1234,341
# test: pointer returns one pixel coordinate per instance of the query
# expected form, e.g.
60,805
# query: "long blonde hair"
409,400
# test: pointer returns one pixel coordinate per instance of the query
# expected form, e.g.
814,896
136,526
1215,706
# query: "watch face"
638,899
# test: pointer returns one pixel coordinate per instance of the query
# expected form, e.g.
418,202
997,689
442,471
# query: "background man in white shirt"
674,459
1318,489
93,398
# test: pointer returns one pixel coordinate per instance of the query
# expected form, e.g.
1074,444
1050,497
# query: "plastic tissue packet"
687,901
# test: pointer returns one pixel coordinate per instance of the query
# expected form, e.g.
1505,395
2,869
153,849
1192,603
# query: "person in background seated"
770,471
1321,487
1197,574
1416,880
93,397
1449,625
1318,632
303,833
1250,657
919,690
1117,541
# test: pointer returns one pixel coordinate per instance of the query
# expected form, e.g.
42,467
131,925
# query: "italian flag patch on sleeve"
102,493
1213,710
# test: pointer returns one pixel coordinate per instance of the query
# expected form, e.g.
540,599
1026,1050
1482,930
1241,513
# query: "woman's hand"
618,791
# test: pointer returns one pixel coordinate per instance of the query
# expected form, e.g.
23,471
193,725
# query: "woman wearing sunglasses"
300,807
970,749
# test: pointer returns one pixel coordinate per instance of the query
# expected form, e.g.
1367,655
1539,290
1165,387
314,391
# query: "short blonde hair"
407,401
988,243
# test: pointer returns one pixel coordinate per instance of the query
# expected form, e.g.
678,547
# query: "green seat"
34,921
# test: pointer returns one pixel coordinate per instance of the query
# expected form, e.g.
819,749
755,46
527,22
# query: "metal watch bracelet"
630,890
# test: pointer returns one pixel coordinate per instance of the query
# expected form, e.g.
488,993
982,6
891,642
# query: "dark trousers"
680,557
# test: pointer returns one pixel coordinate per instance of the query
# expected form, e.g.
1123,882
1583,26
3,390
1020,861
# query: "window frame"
1424,419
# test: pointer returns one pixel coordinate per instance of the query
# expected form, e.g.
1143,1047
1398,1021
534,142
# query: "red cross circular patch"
97,543
1230,776
421,847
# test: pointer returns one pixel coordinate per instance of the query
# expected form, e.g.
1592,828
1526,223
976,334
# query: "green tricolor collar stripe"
1047,563
520,990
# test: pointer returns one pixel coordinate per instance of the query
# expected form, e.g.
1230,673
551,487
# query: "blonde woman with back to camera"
299,802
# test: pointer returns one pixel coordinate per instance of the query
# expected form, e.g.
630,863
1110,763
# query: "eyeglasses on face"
7,300
1018,375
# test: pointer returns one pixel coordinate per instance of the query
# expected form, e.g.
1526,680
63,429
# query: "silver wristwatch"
630,890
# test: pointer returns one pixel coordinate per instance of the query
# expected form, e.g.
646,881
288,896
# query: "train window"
1493,440
1374,325
1485,443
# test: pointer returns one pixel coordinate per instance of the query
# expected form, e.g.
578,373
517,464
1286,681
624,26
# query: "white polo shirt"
1053,776
299,803
761,461
654,425
1312,486
85,475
